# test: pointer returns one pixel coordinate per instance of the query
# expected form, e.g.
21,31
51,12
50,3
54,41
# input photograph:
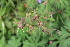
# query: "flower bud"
50,42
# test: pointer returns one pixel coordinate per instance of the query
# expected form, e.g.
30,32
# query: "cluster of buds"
28,14
40,23
31,27
35,17
20,23
45,2
35,11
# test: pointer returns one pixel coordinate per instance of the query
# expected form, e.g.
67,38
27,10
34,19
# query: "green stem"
3,26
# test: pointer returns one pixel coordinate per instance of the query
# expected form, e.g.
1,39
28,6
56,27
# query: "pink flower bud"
50,42
17,17
21,27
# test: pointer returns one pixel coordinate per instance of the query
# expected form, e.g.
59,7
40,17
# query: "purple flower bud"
39,1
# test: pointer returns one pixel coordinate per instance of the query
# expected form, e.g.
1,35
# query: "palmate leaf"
34,40
41,43
41,39
21,34
27,44
31,39
41,9
65,43
67,25
53,38
64,34
54,44
32,3
14,42
64,38
63,31
37,37
51,19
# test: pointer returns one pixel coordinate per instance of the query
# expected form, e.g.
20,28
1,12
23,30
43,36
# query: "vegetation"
34,23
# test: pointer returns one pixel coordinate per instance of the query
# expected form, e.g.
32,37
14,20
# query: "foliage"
34,23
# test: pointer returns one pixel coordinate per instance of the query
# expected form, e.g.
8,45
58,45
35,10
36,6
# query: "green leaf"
43,42
2,11
14,42
2,41
51,19
53,38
